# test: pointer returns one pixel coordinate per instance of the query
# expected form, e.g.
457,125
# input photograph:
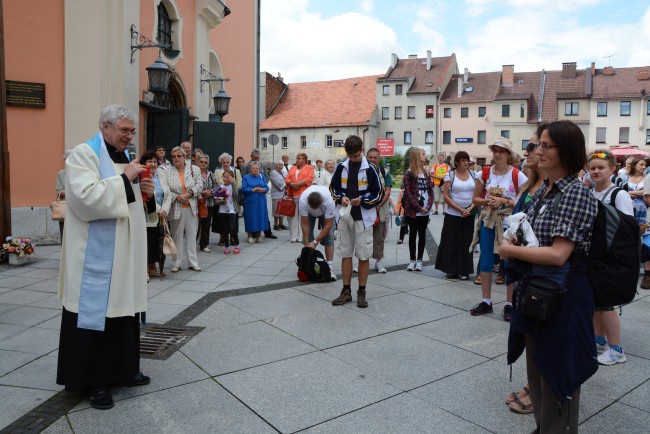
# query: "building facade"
89,62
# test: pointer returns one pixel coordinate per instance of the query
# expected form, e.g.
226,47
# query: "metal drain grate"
160,342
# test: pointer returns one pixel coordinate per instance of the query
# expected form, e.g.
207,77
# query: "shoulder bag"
169,248
286,206
58,208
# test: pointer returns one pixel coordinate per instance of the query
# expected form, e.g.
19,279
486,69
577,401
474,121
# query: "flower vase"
18,260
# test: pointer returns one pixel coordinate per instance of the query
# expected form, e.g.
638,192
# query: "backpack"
452,176
614,257
485,174
312,266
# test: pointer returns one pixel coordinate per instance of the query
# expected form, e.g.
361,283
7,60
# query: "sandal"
500,280
477,279
518,405
525,391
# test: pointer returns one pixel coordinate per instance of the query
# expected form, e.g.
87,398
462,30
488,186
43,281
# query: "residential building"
317,117
620,108
408,98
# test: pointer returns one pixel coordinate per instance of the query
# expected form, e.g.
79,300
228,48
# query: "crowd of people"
115,203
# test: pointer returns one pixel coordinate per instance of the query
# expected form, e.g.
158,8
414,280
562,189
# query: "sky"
317,40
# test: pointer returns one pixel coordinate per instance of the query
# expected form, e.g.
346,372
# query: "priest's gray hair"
116,112
225,156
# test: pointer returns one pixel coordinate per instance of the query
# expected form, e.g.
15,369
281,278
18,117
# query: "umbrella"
624,151
163,228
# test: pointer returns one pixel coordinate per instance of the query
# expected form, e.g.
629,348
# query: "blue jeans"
486,241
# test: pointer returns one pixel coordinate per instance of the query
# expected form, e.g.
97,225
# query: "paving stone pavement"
275,356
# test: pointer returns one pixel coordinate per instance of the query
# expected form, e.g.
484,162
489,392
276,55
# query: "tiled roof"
485,88
526,86
346,102
424,81
555,85
624,83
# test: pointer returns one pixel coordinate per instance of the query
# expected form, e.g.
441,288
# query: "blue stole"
100,250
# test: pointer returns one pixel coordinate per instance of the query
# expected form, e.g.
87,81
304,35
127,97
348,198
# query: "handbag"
169,248
286,207
203,208
541,298
58,208
400,219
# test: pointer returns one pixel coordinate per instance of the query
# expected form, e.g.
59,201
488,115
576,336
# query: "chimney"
280,78
569,70
589,82
644,74
609,70
460,86
508,75
466,76
428,60
393,60
593,68
413,56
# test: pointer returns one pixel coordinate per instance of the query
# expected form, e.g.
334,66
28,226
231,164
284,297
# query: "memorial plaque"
25,94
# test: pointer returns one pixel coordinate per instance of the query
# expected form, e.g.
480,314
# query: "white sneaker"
356,269
379,266
418,266
411,266
600,349
332,275
206,250
611,357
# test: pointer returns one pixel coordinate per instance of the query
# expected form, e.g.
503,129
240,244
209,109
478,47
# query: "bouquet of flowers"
17,246
221,195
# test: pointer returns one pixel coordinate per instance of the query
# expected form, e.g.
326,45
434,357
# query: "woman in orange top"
299,178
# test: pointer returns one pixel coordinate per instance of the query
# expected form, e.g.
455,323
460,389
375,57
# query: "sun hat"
504,143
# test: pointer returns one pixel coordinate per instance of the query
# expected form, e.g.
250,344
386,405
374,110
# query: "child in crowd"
606,323
227,221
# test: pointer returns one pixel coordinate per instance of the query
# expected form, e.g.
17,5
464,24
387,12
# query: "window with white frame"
464,112
398,89
389,134
385,112
411,112
446,137
285,143
168,30
447,112
624,135
571,108
601,135
303,142
428,137
398,112
407,137
522,110
524,144
264,142
505,133
505,110
386,90
602,108
328,141
481,112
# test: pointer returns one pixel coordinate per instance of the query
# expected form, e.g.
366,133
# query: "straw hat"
504,143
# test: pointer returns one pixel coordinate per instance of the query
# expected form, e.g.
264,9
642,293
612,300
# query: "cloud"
304,46
480,7
367,6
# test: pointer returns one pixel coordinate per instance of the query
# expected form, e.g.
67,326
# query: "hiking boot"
645,282
361,298
611,357
345,297
507,312
481,309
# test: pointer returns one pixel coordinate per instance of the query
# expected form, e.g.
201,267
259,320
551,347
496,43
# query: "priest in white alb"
102,281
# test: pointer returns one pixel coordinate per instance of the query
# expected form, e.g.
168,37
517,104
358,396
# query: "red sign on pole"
386,147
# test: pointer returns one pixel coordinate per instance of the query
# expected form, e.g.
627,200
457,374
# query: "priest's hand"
133,169
147,186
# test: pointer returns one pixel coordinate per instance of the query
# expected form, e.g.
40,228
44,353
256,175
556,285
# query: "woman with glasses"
454,257
209,183
185,185
417,201
560,350
495,192
154,211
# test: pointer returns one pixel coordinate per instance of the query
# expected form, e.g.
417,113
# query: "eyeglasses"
599,155
203,162
177,156
530,147
125,131
545,146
